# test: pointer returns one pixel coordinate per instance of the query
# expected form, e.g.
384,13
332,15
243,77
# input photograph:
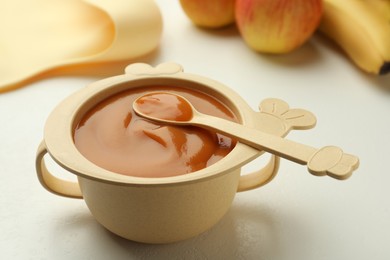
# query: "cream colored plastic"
37,36
52,183
160,210
329,160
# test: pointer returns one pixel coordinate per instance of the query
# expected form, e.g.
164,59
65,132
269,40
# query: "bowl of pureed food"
150,182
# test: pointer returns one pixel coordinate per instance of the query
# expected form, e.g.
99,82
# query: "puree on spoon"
164,106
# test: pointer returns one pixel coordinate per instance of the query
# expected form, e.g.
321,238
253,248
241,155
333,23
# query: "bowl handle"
261,177
52,183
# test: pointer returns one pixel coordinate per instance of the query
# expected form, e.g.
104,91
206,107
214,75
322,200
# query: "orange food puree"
164,106
113,137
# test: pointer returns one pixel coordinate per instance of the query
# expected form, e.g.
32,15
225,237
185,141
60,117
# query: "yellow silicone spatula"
37,36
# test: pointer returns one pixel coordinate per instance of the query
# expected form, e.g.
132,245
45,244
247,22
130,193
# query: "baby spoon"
173,109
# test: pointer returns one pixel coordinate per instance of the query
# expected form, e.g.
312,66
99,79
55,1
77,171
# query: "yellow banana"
382,5
362,30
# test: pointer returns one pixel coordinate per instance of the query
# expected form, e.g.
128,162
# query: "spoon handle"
328,160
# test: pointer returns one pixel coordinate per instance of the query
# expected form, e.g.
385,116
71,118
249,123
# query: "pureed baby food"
165,106
113,137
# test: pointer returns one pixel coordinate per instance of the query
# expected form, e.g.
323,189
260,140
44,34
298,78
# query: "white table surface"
296,216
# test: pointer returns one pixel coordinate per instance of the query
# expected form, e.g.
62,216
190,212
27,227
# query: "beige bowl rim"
59,127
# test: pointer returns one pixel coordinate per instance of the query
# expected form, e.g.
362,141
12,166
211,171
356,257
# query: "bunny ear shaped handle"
295,118
332,161
329,160
140,69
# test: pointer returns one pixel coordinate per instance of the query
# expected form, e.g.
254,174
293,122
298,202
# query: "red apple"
209,13
277,26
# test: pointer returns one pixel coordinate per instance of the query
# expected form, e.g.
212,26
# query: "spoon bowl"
165,107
